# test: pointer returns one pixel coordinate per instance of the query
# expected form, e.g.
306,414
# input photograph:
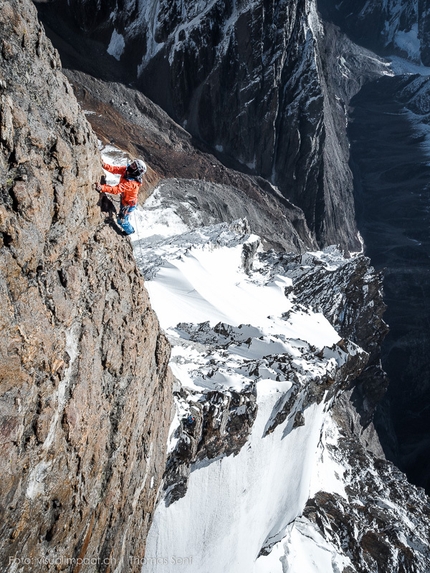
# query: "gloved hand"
98,187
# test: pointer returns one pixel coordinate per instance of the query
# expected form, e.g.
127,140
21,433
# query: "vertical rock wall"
84,384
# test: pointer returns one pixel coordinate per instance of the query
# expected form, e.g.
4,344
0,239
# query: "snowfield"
230,328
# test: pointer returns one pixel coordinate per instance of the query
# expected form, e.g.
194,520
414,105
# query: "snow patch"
116,45
265,485
409,43
72,341
156,221
402,66
36,480
304,549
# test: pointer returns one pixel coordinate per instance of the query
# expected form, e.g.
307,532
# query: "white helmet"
138,166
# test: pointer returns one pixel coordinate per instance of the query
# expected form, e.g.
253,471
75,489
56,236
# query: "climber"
128,188
190,420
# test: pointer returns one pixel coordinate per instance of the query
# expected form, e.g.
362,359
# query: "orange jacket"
127,188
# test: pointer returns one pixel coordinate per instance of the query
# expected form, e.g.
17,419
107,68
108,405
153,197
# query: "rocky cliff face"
257,81
227,426
397,238
259,96
85,388
273,438
389,151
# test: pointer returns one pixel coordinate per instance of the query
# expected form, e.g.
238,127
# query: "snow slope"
268,472
232,328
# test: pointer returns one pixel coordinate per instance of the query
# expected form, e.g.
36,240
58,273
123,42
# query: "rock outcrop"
85,399
214,424
380,521
349,293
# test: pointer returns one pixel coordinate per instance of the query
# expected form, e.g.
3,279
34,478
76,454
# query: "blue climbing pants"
123,218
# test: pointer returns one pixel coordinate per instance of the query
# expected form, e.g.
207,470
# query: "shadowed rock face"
259,82
84,386
363,523
351,298
390,160
392,193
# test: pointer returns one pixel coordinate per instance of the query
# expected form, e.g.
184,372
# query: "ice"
402,66
235,504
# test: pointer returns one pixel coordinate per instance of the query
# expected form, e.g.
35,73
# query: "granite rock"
85,392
